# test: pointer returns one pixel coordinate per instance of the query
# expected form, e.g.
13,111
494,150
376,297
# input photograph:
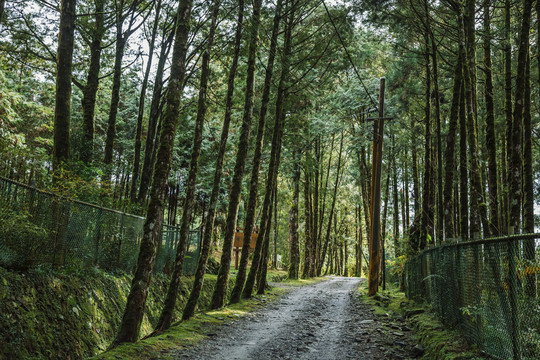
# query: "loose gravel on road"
325,320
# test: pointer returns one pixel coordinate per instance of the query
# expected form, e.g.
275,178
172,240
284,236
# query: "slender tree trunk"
490,128
294,248
463,170
320,258
218,297
449,156
416,183
273,168
396,209
64,61
89,91
275,237
315,213
307,219
333,206
168,308
440,210
478,214
428,198
191,304
153,119
133,314
508,112
140,114
121,40
254,183
529,248
517,136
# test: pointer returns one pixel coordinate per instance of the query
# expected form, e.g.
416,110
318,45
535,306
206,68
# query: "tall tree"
517,124
64,62
294,246
191,304
490,127
166,316
90,89
122,35
133,314
140,113
155,113
254,182
218,297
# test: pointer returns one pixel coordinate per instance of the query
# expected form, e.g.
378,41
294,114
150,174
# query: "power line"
348,55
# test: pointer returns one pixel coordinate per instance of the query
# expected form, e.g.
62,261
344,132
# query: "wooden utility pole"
374,248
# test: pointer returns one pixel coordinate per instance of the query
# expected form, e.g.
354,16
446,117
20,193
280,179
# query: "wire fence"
488,289
40,228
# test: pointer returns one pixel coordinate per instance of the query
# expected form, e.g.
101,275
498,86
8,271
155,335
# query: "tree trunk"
478,211
273,167
218,297
416,183
140,114
428,198
133,314
153,119
517,136
168,308
115,95
294,248
307,219
89,91
254,182
332,207
529,248
449,155
508,114
191,304
63,84
274,250
463,170
490,128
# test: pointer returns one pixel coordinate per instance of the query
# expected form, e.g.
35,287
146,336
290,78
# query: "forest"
390,139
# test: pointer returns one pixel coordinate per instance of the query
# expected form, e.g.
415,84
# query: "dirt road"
320,321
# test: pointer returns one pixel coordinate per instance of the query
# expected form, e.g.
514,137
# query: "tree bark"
490,128
307,218
133,314
254,182
517,136
89,91
508,113
153,118
428,198
449,156
463,170
333,206
191,304
294,248
168,308
140,113
64,62
218,297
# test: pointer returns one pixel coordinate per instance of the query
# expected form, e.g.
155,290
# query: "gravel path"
320,321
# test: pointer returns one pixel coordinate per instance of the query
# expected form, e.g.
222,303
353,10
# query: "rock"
363,322
418,351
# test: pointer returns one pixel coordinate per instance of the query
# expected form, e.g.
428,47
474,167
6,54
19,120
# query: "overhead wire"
349,55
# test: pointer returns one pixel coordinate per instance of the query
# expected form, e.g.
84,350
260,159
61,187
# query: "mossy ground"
439,342
202,325
74,314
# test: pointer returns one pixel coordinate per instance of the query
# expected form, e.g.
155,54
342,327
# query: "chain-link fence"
39,228
488,289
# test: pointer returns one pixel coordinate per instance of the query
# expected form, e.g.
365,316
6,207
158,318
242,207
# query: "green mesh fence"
488,289
39,228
